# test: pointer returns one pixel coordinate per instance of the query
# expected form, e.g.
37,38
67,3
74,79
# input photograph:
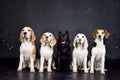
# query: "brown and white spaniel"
27,49
46,50
98,51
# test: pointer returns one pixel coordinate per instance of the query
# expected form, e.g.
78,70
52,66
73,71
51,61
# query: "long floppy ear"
42,40
75,42
21,37
52,41
33,37
94,33
107,34
85,44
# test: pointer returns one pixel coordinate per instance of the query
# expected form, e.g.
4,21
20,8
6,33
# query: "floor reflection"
59,76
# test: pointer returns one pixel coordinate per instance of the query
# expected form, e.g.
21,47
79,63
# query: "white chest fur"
99,50
80,53
26,48
46,51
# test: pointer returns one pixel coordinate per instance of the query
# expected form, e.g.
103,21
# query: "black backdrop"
53,15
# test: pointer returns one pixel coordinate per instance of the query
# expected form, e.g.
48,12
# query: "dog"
80,53
98,51
47,41
63,52
27,49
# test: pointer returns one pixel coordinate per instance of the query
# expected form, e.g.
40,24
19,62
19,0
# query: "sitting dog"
98,51
27,49
80,53
63,52
46,51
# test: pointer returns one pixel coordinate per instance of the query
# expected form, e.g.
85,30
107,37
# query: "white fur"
46,51
26,49
98,54
80,52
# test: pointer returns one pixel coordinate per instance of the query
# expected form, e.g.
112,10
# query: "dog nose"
79,39
99,36
25,33
46,37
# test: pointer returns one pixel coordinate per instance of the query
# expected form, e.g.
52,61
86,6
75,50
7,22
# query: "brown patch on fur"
107,34
21,38
85,44
75,43
52,41
33,37
94,33
42,41
34,50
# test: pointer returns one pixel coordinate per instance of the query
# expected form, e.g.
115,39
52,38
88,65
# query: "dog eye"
23,30
29,30
77,36
97,32
50,35
82,36
102,32
44,34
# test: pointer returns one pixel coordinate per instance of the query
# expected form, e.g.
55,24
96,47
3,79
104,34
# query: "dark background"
53,15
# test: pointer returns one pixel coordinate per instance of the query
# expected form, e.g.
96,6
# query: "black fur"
94,44
63,52
104,41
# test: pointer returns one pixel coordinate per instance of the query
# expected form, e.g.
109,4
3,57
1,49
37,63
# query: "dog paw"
105,69
85,71
19,69
41,70
32,70
74,70
49,70
102,72
92,72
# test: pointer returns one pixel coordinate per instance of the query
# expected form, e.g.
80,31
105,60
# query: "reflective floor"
8,72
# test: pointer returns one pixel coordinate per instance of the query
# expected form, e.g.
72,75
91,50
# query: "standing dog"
80,52
46,51
63,52
27,49
99,50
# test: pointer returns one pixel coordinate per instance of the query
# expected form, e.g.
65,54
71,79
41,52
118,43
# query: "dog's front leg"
92,64
49,64
41,64
58,60
102,65
74,65
85,65
20,63
32,64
